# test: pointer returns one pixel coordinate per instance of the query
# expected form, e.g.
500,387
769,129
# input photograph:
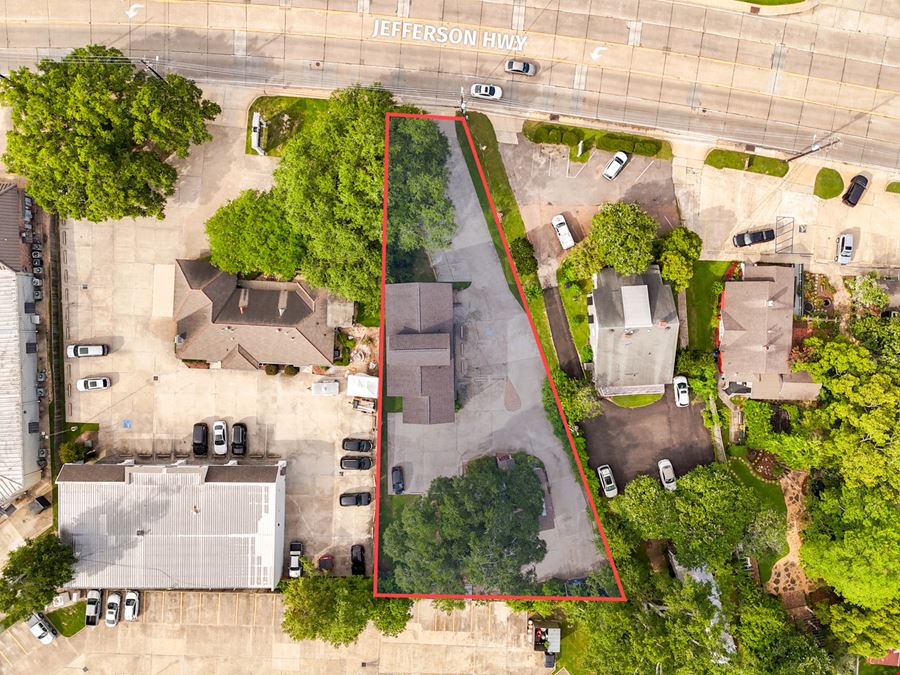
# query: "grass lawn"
573,647
285,116
771,497
68,620
368,315
634,400
868,669
701,303
574,300
726,159
895,188
829,184
769,166
741,161
392,404
565,134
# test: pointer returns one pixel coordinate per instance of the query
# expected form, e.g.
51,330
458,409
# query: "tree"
390,615
522,253
72,452
579,398
866,293
250,235
680,250
701,369
867,633
765,534
32,574
621,237
91,134
880,336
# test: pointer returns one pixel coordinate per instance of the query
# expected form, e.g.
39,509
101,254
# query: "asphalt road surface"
710,70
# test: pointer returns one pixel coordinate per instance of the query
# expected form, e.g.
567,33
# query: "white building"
176,526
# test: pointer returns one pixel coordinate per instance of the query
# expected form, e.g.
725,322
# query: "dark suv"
351,463
356,445
239,439
397,480
200,439
356,499
854,193
357,560
751,238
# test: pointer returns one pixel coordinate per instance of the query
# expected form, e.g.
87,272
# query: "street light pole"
815,147
45,435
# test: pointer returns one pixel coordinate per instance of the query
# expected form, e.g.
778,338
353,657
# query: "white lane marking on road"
362,6
634,33
597,52
518,15
581,72
240,43
132,11
403,8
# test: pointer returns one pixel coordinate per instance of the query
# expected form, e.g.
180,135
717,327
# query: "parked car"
854,193
354,463
92,607
666,474
132,605
357,560
220,438
295,568
113,602
615,165
356,445
41,628
562,231
93,383
239,439
752,238
489,91
521,67
200,438
397,480
844,249
356,499
82,351
326,563
682,391
607,482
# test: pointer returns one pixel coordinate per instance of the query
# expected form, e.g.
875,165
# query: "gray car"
844,249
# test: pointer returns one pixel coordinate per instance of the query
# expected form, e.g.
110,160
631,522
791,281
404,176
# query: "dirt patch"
788,578
364,355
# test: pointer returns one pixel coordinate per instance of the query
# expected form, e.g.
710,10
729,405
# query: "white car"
489,91
520,67
113,602
79,351
682,391
93,383
607,482
666,474
844,249
92,607
295,568
562,231
41,628
132,605
615,165
220,438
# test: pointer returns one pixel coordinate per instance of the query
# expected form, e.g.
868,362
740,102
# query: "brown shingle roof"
10,222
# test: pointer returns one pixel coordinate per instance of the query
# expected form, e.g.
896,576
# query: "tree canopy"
480,527
32,574
92,135
621,237
680,249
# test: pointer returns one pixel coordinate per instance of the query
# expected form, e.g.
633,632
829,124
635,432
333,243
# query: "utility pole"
462,101
815,147
150,68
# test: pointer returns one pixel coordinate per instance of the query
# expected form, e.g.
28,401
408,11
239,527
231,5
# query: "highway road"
708,69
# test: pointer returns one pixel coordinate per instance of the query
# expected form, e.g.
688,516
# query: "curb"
759,10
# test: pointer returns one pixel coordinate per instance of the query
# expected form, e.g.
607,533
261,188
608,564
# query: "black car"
397,480
356,445
751,238
357,560
239,439
351,463
356,499
200,439
854,193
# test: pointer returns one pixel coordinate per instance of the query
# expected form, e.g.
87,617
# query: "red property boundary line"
387,140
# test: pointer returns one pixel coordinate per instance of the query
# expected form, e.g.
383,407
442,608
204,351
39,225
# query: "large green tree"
680,249
32,574
621,237
92,135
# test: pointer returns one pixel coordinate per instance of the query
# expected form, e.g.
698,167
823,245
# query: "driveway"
499,377
546,183
566,352
633,440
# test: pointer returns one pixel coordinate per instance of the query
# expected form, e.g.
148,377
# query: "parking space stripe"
14,639
5,657
219,609
255,609
237,604
181,610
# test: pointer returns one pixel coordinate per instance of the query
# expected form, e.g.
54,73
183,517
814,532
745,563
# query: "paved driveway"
633,440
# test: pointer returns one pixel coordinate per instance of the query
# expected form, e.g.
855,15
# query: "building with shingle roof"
244,325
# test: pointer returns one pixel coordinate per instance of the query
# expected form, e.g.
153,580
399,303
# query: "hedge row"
612,142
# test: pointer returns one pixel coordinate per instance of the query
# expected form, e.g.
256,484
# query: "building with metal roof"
19,412
173,526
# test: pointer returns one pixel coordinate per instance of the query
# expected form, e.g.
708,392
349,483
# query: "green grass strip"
829,184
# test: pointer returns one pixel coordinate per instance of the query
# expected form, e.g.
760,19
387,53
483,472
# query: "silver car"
220,438
113,604
666,474
607,482
520,67
615,165
844,249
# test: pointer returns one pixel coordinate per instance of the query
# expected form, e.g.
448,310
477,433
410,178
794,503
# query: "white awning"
326,388
362,385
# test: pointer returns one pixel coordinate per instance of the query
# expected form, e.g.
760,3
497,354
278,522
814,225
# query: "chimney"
282,302
244,300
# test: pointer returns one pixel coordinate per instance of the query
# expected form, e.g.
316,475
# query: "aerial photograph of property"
450,337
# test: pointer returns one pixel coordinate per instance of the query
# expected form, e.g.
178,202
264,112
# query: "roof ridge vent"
244,300
282,302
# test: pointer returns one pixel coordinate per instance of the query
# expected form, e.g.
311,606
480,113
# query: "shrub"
726,159
616,142
554,135
533,290
647,148
522,253
893,187
539,135
72,452
290,371
571,138
272,369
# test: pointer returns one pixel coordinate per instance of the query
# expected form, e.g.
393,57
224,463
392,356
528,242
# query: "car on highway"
844,249
113,604
753,238
607,481
239,439
517,67
92,607
92,383
41,628
397,480
561,227
490,92
81,351
854,193
356,445
220,438
353,463
682,391
357,560
356,499
132,605
295,568
615,165
666,474
200,438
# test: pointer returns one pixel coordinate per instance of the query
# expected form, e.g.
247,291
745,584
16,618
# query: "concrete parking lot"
633,440
546,183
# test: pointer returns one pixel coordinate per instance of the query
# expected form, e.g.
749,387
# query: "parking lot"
633,440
